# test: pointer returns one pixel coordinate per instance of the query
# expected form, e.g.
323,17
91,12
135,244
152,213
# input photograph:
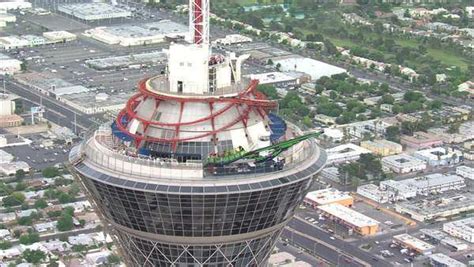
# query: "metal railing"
97,150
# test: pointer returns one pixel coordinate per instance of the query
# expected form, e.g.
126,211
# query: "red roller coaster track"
249,99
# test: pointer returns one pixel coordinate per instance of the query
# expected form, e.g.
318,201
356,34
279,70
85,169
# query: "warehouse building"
434,183
59,36
93,11
140,34
387,191
232,39
442,260
403,163
444,239
465,172
382,147
345,153
9,65
281,79
439,156
437,207
421,140
463,229
414,244
350,218
328,196
14,5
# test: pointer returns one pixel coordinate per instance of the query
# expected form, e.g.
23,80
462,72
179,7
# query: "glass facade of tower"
158,224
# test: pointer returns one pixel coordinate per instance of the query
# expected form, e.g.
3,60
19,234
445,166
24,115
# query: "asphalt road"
55,111
329,248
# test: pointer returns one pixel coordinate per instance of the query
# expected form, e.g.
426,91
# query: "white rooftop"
413,242
402,160
271,77
435,153
345,151
432,180
316,69
348,215
467,225
326,196
446,260
69,90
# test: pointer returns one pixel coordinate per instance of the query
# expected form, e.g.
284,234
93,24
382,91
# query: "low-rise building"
442,260
414,244
325,119
25,213
6,157
82,239
59,36
6,217
9,65
465,172
281,79
332,134
12,167
350,218
45,227
403,163
345,153
398,190
445,239
437,207
232,39
331,173
434,183
439,156
374,193
328,196
382,147
420,140
463,229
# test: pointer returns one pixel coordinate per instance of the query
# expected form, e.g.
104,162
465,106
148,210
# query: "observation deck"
98,153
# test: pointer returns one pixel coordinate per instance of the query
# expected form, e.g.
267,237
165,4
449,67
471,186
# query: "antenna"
199,21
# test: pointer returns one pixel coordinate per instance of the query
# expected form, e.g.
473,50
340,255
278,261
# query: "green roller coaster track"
256,155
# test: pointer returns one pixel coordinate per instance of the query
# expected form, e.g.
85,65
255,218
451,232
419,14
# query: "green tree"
33,256
14,199
41,204
50,172
454,128
25,221
20,174
65,222
113,259
30,238
20,186
393,133
387,99
268,90
5,245
64,198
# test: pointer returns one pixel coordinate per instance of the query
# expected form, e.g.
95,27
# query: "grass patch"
448,58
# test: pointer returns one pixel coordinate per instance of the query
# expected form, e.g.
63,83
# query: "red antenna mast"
199,21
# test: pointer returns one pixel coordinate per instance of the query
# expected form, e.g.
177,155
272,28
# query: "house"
45,227
25,213
5,234
82,239
97,258
56,245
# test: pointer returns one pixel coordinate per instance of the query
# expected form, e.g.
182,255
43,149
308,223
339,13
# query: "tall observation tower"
197,170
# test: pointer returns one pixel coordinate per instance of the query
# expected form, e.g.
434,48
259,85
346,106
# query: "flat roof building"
439,156
281,79
463,229
93,11
345,153
434,183
413,243
403,163
445,239
421,140
465,172
138,34
382,147
316,69
442,260
59,36
328,196
350,218
9,65
437,207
